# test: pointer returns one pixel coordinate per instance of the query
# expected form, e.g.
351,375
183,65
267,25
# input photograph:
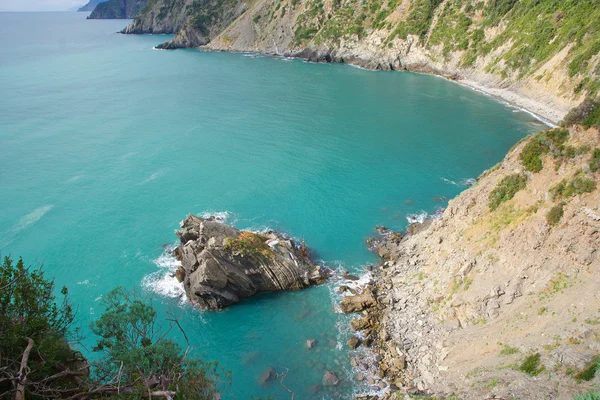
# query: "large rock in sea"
221,265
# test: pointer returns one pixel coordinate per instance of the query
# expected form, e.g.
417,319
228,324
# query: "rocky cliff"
90,6
500,296
221,265
117,9
540,54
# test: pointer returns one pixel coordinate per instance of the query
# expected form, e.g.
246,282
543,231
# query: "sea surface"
106,144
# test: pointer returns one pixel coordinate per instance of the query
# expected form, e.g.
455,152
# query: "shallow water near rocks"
106,144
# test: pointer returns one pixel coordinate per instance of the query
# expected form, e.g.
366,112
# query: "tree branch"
23,370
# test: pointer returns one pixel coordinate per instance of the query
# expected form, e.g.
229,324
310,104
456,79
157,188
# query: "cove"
106,144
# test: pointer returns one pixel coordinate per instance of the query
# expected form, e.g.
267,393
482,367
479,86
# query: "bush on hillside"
551,141
531,365
590,370
586,114
595,161
506,189
554,215
578,185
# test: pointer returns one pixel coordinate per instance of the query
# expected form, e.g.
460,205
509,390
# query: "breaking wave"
164,282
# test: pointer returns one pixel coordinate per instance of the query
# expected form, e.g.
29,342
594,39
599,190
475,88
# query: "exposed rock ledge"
221,265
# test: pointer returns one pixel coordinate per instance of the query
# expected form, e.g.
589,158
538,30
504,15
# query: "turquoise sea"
106,144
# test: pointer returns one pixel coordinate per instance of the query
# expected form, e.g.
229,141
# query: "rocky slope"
221,265
500,296
117,9
542,55
90,6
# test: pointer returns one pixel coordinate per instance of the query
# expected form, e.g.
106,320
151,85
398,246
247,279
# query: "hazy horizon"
39,5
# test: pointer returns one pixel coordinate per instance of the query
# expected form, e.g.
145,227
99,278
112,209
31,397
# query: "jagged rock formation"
221,265
542,55
117,9
90,6
500,296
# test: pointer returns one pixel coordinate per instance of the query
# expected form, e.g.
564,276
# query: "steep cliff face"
90,6
501,295
160,16
195,23
117,9
545,54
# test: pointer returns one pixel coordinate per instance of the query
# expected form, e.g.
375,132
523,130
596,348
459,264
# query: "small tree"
35,356
139,358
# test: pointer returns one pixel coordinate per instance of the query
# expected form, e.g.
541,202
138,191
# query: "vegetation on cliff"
541,41
117,9
138,360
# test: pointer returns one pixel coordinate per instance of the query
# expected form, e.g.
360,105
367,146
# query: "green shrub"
506,189
247,244
508,350
572,152
579,185
554,215
595,161
591,395
551,141
531,155
531,365
589,372
557,137
586,114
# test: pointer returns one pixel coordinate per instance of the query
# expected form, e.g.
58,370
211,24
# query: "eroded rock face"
221,265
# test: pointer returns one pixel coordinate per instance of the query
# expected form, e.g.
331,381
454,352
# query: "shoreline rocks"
221,265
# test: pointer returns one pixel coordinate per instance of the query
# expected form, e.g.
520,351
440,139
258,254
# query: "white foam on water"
152,177
417,218
74,179
468,182
463,182
220,216
25,222
163,282
366,355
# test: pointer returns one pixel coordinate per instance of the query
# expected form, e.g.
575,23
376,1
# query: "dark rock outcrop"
221,265
117,9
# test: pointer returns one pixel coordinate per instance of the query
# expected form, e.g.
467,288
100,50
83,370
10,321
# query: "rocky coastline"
548,87
221,265
463,305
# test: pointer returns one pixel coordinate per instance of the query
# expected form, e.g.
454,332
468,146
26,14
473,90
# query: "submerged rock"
221,265
268,375
330,379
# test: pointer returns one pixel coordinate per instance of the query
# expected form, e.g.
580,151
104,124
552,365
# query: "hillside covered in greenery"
117,9
549,44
